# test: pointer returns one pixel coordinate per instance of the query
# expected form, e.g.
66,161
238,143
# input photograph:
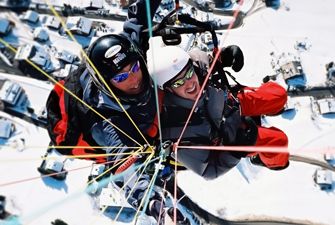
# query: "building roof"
30,16
10,92
4,26
323,177
65,56
79,25
52,22
326,105
66,71
24,52
31,52
41,34
5,128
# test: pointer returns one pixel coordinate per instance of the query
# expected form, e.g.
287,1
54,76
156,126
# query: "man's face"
130,79
186,84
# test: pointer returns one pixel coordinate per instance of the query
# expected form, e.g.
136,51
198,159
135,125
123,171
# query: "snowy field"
245,193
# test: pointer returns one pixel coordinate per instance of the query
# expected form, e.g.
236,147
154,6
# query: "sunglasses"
181,81
123,76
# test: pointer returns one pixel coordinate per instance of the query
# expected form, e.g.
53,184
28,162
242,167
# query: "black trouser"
209,164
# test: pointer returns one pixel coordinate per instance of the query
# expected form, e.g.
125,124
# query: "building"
290,105
52,23
5,26
79,25
6,129
35,55
30,16
65,56
69,68
323,178
326,105
290,67
41,34
10,92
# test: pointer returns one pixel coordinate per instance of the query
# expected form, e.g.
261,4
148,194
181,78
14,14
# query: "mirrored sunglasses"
123,76
181,81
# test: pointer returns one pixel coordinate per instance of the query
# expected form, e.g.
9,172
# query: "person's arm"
107,136
137,21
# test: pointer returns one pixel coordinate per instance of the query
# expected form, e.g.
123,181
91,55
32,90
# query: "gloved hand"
247,133
232,56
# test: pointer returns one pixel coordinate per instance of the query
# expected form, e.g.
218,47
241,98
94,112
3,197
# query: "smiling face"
186,84
133,84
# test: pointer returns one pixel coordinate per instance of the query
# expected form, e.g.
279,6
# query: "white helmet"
164,63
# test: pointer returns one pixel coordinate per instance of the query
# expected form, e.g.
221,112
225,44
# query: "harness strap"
129,162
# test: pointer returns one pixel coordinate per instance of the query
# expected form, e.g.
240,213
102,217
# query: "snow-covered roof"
322,176
52,22
291,69
4,26
290,105
66,71
5,128
326,105
65,56
79,25
41,34
25,51
30,16
10,92
35,55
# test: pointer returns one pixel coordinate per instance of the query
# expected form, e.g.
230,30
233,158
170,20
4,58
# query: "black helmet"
109,54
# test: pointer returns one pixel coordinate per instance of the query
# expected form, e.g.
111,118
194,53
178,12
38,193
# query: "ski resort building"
41,34
5,26
291,69
326,105
79,25
35,55
69,68
30,16
10,93
52,23
65,56
323,178
6,129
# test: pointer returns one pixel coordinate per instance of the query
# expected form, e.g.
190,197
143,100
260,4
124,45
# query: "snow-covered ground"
246,192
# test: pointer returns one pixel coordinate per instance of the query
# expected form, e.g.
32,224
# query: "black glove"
232,56
247,133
